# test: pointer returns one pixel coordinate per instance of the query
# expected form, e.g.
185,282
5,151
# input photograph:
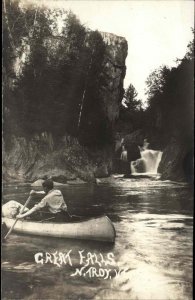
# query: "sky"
157,31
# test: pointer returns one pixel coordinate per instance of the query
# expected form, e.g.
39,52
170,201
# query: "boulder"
101,172
177,162
139,165
131,142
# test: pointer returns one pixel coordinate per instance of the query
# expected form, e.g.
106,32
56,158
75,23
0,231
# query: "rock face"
29,160
39,157
132,141
114,73
177,162
139,165
102,172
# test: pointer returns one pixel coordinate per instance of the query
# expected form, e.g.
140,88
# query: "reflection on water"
153,247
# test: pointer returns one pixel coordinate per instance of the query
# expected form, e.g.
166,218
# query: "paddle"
22,210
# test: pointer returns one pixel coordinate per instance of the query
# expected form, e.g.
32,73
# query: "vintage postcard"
97,198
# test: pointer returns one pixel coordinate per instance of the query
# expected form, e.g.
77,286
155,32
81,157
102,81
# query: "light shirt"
54,200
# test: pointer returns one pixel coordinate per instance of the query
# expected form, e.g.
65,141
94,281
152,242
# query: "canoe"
99,229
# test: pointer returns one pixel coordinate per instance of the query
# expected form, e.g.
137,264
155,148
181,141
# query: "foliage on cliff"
52,80
170,99
170,104
170,113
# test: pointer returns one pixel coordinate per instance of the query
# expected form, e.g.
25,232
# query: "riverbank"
64,160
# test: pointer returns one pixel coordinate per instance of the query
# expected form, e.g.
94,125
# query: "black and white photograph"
97,150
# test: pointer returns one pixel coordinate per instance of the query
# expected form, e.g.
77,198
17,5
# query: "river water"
152,254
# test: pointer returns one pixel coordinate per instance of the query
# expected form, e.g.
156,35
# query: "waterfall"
148,163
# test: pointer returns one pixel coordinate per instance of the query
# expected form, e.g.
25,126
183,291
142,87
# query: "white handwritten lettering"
37,256
92,264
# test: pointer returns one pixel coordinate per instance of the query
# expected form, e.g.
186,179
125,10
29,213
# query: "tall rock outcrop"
114,73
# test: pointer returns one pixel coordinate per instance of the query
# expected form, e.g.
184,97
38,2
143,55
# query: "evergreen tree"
130,99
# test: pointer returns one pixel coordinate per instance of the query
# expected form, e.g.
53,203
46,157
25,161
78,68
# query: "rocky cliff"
177,162
114,73
40,157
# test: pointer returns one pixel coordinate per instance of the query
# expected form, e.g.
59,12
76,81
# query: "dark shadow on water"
17,285
31,243
137,176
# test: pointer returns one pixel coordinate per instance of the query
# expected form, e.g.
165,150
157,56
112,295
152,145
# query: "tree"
190,52
58,79
170,98
130,99
156,81
131,115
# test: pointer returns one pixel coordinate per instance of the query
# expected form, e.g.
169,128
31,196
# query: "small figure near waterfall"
124,164
123,154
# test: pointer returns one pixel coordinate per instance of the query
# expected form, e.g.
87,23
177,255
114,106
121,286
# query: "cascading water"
149,161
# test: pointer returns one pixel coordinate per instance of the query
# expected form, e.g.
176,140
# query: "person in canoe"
53,204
